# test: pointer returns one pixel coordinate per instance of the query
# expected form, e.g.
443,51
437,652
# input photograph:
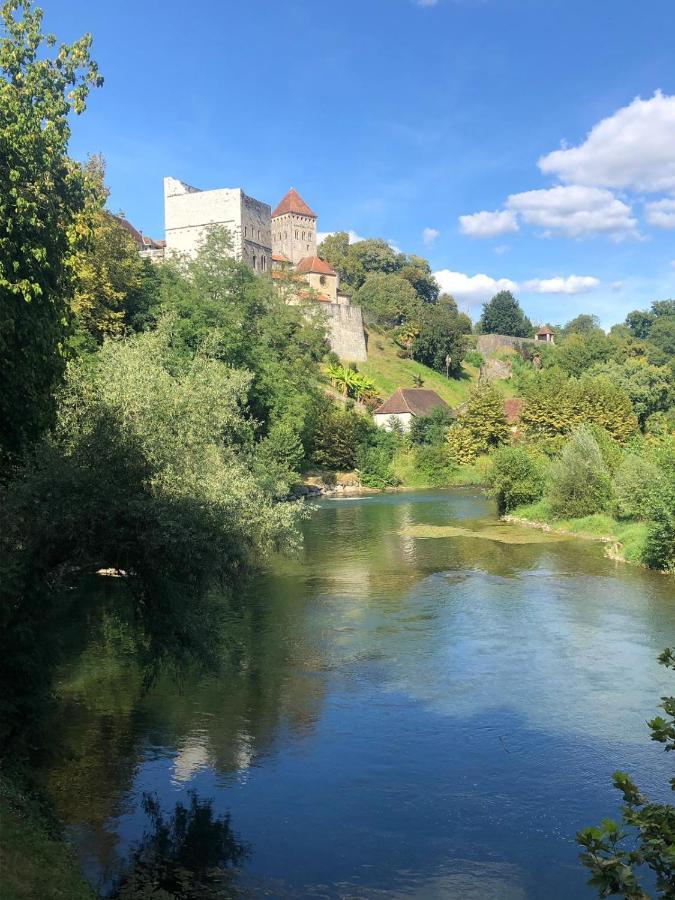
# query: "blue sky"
396,118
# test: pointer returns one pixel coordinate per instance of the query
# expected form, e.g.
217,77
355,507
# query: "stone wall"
189,214
345,331
487,344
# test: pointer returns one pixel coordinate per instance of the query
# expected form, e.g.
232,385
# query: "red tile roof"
280,257
315,265
293,203
546,330
418,401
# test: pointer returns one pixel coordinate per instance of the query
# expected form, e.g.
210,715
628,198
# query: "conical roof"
293,203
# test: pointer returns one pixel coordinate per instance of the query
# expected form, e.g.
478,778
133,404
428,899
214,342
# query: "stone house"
405,404
545,335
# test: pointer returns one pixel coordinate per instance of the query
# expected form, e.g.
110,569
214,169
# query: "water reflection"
190,855
390,715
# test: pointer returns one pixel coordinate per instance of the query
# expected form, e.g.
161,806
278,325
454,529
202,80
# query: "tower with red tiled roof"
294,228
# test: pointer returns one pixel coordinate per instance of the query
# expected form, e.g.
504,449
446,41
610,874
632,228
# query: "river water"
424,704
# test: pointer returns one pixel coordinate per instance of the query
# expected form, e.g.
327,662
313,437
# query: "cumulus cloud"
634,148
572,284
475,289
472,289
487,224
353,236
661,213
429,235
575,211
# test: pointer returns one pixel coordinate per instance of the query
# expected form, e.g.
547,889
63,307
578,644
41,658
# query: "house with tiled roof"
405,404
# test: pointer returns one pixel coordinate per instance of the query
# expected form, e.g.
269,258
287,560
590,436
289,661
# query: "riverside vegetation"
155,419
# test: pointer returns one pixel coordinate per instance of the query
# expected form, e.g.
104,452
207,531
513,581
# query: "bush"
580,483
481,426
337,437
474,358
374,459
514,478
435,465
431,429
633,487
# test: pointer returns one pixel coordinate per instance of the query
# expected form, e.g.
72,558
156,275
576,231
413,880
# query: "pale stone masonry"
294,228
189,213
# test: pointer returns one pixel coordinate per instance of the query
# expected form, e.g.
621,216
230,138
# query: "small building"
320,276
545,335
294,228
406,404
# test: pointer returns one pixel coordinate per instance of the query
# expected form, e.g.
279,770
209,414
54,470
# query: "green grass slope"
389,372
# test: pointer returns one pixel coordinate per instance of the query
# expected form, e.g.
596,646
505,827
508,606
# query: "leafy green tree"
369,257
634,482
503,315
374,458
440,336
337,437
662,334
41,193
639,323
648,387
578,352
481,426
432,429
582,324
579,483
417,271
618,855
334,248
387,300
434,463
514,478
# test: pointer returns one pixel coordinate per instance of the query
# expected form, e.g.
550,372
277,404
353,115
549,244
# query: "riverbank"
624,540
35,860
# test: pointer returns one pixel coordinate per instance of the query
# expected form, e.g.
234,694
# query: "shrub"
514,478
431,429
374,458
482,425
634,484
474,358
435,464
580,483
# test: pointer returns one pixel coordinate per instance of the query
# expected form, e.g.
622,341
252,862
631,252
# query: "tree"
514,478
662,334
582,324
417,271
41,193
432,429
334,248
372,256
580,483
616,868
481,426
387,300
639,323
440,337
578,352
503,315
648,387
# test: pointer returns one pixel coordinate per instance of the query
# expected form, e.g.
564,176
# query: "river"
424,704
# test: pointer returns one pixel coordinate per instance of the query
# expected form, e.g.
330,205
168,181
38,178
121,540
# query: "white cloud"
353,236
501,249
661,213
472,289
575,210
572,284
429,235
488,224
634,148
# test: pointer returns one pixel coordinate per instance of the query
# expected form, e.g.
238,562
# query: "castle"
268,242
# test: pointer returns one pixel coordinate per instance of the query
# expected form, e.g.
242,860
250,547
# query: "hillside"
389,372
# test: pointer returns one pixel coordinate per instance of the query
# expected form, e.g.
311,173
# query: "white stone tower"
294,228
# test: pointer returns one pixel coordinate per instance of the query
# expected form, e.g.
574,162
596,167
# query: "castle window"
245,230
296,235
254,260
322,279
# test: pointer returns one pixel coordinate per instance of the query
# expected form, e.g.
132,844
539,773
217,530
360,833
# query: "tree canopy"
503,315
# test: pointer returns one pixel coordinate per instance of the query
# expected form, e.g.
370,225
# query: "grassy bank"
405,466
35,861
627,537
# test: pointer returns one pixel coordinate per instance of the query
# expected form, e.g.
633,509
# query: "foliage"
374,458
387,300
474,358
481,426
580,484
616,869
191,855
338,434
432,429
578,352
114,288
435,465
514,478
648,387
582,324
503,315
351,383
150,470
440,337
555,405
41,193
634,483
